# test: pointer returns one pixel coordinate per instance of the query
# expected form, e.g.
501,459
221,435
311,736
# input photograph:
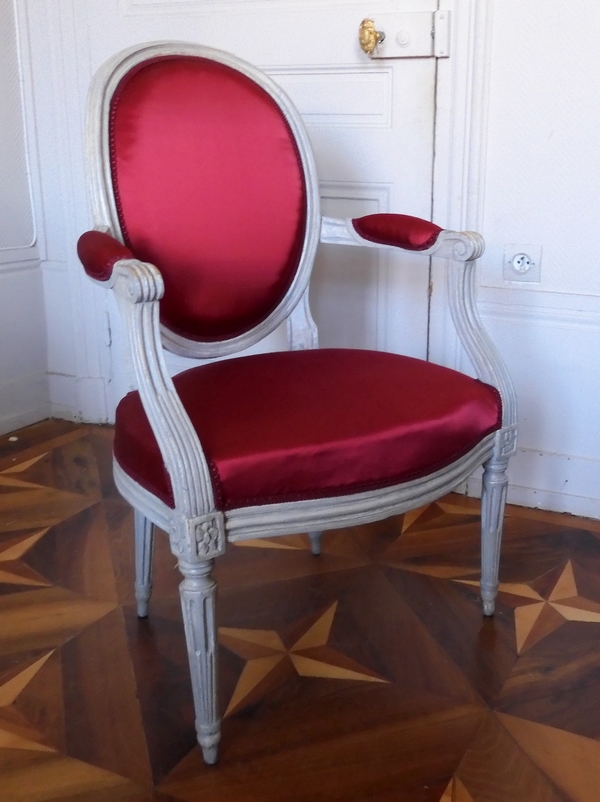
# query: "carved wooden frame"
104,208
199,532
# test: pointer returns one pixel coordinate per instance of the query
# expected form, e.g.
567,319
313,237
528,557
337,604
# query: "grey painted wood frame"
197,530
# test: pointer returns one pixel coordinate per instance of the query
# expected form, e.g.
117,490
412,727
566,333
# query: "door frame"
462,99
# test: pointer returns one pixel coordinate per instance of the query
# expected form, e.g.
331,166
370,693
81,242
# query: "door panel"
370,122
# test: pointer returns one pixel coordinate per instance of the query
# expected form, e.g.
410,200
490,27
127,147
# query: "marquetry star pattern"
99,733
8,478
545,614
269,662
364,547
540,614
17,494
286,543
16,732
12,484
36,494
456,792
14,572
435,514
47,489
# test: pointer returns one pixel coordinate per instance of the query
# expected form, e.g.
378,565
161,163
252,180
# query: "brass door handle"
368,37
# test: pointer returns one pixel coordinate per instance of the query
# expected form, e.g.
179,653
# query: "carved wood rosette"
199,539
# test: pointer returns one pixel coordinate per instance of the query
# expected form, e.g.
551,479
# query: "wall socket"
522,263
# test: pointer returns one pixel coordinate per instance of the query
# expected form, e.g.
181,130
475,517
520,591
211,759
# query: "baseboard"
556,482
24,401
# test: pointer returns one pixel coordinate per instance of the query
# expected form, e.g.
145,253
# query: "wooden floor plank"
365,674
75,554
571,761
33,444
496,767
45,618
35,777
103,718
397,758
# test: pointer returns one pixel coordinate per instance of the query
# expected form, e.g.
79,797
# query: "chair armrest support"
139,287
461,248
489,366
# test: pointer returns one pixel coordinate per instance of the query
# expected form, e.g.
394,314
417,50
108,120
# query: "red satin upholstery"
401,230
98,253
307,424
210,188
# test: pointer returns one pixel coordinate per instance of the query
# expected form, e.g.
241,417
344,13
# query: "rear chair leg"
315,542
493,500
144,550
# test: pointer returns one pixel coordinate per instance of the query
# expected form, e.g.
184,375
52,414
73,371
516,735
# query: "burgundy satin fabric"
98,253
210,188
401,230
307,424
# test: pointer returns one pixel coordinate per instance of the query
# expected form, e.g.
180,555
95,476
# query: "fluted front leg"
315,542
144,551
198,604
493,500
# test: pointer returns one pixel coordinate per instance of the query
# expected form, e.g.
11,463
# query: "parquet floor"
365,674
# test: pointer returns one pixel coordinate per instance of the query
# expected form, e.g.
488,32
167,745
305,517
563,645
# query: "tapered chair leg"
144,551
493,501
197,592
315,542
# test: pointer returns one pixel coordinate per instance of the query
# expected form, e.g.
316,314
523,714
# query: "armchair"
206,210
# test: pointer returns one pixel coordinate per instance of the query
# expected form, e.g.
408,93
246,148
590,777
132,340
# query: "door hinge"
441,34
418,34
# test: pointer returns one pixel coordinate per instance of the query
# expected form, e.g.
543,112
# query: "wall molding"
374,78
548,481
56,55
550,309
564,479
539,316
19,267
358,190
380,194
18,224
136,8
538,478
19,258
460,151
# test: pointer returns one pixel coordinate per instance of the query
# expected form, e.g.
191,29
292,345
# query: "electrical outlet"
522,263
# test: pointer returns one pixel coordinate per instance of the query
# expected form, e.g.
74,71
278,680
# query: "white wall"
23,382
542,186
517,158
55,53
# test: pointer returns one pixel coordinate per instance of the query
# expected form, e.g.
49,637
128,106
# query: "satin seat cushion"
307,424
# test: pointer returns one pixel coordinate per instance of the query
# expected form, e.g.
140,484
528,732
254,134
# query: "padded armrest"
98,253
401,230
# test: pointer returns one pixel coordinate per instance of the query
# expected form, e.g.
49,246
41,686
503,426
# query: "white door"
371,122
